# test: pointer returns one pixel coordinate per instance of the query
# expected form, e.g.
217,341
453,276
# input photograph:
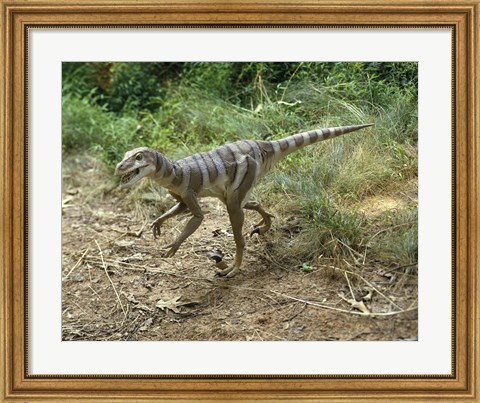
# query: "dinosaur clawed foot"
228,272
156,228
224,271
170,250
263,226
259,230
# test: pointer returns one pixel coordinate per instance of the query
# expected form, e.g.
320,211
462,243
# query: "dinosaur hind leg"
266,222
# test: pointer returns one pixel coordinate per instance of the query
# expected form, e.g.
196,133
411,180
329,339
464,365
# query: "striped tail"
297,141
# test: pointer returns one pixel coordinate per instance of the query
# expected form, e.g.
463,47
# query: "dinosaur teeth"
127,177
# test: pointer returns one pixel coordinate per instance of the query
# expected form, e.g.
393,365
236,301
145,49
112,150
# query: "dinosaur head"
136,164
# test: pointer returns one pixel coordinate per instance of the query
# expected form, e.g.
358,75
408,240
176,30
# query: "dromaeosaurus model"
228,172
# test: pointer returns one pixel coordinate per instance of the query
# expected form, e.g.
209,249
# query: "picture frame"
19,385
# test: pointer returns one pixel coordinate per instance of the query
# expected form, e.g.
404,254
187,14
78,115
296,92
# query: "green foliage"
306,268
138,86
181,108
92,128
78,80
120,87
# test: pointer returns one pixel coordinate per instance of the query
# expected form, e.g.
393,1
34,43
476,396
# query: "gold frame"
464,382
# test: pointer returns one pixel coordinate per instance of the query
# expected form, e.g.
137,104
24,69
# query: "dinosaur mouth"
129,176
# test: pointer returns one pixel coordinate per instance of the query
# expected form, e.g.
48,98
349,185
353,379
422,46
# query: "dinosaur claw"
156,228
169,254
216,255
170,250
256,230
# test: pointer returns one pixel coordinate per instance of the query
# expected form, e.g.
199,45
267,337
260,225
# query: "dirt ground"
117,286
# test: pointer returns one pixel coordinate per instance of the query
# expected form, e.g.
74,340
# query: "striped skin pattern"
228,172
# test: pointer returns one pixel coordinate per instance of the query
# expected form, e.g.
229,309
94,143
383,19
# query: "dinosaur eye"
139,157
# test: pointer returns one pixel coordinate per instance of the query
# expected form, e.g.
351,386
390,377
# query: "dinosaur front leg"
175,210
190,200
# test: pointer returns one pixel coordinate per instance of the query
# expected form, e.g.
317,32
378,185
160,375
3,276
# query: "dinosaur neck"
165,170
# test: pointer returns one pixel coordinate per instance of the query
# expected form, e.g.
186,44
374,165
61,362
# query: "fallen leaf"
146,325
386,273
171,304
174,304
355,304
130,297
358,305
221,232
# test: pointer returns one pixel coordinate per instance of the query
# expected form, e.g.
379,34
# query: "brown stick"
111,282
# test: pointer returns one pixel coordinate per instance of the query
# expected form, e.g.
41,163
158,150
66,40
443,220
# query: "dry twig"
343,310
369,284
111,282
79,261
